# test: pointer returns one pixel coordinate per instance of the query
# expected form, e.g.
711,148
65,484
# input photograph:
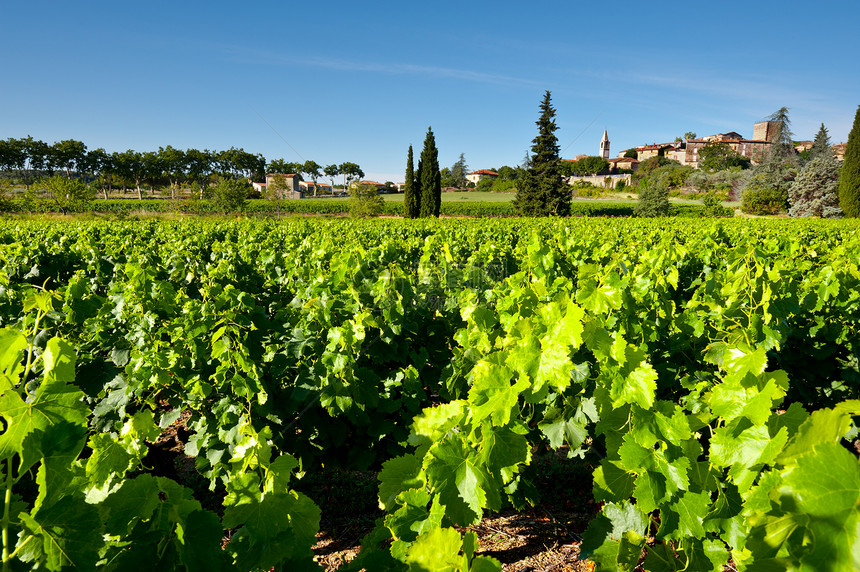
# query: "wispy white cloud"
753,92
386,68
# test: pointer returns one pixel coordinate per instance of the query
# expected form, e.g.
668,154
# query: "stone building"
765,130
291,184
755,149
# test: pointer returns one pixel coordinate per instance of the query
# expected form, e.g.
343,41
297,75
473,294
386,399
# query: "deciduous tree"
331,171
313,170
719,156
68,155
350,172
365,201
173,163
284,167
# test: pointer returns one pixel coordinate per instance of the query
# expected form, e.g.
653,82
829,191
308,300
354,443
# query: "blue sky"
358,81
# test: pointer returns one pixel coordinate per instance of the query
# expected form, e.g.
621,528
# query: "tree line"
29,159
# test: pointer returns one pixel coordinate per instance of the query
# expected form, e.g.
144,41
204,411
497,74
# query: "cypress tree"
849,176
542,192
429,177
411,194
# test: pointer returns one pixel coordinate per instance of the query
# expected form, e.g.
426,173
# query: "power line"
596,117
281,136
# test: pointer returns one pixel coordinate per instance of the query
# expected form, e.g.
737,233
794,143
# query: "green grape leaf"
559,430
823,426
397,475
634,457
434,422
109,457
65,534
53,404
826,481
413,518
444,549
199,538
460,480
134,501
503,451
492,395
684,517
742,446
614,539
650,491
59,358
791,419
739,361
279,473
612,483
12,343
598,299
672,422
275,528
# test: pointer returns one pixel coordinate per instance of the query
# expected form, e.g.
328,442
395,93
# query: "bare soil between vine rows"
542,538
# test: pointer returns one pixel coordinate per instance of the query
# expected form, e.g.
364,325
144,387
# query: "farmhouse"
626,163
476,176
315,188
289,185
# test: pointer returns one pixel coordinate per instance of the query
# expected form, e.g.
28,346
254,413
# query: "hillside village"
620,171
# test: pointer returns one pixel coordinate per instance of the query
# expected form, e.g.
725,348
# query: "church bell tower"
604,146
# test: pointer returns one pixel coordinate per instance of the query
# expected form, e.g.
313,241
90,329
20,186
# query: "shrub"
653,200
485,185
365,201
231,195
713,206
761,199
586,189
58,194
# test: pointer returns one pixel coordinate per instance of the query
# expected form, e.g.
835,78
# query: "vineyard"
707,370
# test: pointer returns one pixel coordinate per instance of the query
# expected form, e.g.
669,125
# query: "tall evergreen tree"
813,192
821,146
459,170
411,194
541,191
429,177
782,147
849,176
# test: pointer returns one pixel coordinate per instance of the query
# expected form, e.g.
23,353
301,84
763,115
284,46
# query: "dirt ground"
535,541
543,538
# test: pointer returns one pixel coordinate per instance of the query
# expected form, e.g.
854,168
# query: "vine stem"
7,503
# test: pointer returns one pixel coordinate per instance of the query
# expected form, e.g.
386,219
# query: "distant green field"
469,196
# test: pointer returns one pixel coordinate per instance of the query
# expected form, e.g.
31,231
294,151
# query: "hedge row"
338,207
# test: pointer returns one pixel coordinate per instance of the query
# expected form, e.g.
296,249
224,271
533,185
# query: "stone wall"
603,181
